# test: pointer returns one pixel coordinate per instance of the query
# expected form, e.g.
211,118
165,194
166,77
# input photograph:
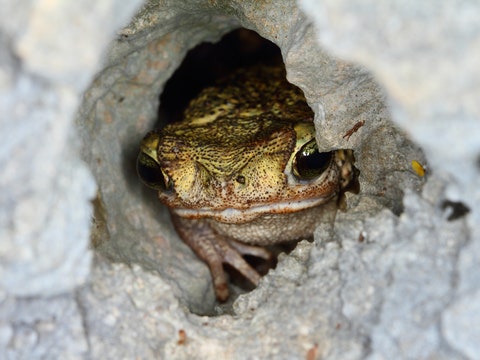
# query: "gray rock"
392,277
424,55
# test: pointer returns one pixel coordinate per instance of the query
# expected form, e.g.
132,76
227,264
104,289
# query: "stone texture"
432,80
42,328
392,278
121,106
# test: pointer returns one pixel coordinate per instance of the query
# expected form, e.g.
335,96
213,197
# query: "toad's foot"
216,250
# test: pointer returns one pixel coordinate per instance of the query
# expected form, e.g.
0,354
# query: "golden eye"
151,173
309,163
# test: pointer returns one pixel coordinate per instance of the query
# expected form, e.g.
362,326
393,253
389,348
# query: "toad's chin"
235,216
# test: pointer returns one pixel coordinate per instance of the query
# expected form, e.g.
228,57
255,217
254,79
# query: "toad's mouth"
233,215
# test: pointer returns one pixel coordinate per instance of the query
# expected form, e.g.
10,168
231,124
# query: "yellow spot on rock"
418,168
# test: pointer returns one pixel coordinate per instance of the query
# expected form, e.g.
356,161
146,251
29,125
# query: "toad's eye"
151,173
309,163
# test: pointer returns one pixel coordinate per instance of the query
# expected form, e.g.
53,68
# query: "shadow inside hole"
207,63
454,209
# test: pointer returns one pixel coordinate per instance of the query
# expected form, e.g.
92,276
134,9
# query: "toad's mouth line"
232,215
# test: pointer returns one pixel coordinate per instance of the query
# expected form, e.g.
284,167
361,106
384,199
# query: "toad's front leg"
216,250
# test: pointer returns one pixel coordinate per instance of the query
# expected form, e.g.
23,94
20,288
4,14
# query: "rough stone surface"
121,106
392,278
433,83
42,328
46,62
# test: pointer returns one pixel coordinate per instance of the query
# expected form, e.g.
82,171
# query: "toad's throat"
232,215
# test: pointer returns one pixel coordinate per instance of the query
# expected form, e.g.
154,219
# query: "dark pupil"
150,172
310,163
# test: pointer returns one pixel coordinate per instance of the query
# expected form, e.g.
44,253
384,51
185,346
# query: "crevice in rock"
145,85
